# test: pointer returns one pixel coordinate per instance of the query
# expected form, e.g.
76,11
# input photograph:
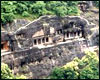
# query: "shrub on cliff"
37,8
25,14
96,3
21,8
90,64
85,68
6,73
57,73
7,17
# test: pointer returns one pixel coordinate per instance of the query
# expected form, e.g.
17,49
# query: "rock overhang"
52,21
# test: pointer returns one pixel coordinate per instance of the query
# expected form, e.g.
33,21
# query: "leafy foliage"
36,8
57,73
6,73
7,12
39,8
21,8
96,3
91,69
7,17
85,68
25,14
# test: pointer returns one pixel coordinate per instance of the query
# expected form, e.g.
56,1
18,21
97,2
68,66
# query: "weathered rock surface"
12,27
56,22
40,62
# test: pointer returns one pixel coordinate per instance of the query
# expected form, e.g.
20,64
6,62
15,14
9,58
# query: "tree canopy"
85,68
6,73
9,9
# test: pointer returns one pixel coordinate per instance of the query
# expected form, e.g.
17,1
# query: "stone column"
36,41
72,34
76,34
45,39
80,34
69,35
65,35
41,41
59,32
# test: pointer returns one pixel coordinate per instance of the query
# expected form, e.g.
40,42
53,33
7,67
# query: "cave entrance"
43,40
78,33
5,46
2,45
35,42
82,8
47,39
74,33
67,34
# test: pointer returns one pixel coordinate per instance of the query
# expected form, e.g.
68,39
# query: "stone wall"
38,63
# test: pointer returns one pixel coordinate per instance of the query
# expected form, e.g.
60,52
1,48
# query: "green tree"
57,73
90,65
96,3
7,11
21,8
60,11
85,68
7,17
37,8
25,14
6,73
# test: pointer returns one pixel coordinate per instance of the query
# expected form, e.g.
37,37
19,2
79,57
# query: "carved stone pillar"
80,34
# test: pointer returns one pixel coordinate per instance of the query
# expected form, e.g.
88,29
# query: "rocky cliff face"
56,22
12,27
38,63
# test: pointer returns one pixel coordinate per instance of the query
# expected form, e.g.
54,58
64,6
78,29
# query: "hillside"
50,39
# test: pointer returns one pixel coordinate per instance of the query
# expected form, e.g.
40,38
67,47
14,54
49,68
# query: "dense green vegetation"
33,9
6,73
96,3
85,68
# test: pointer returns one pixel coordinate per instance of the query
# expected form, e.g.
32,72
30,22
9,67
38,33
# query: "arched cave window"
2,46
74,33
47,39
43,40
78,33
60,31
71,24
35,42
67,34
